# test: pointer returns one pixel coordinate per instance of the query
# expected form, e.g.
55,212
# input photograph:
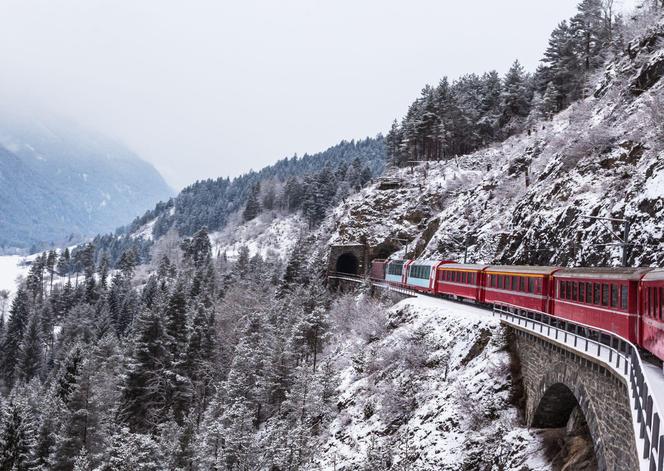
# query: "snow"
460,389
654,187
267,235
10,269
145,231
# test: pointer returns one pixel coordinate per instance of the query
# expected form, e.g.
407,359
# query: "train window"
596,293
395,268
500,281
655,306
522,283
650,309
589,293
515,283
561,290
661,303
614,296
575,291
538,286
568,289
463,277
531,285
471,278
623,297
605,294
582,292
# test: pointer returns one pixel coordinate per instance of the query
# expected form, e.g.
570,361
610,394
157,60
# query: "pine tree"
104,267
252,208
64,264
515,95
17,436
50,267
31,354
145,392
19,316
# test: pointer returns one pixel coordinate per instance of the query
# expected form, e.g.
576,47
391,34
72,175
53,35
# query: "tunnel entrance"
348,263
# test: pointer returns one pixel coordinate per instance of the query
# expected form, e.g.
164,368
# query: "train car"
461,280
602,297
378,267
524,286
421,275
651,312
396,271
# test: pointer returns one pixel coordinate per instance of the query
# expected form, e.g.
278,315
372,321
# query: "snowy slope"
524,200
268,235
432,394
11,268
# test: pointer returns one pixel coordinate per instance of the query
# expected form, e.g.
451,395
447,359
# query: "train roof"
425,262
518,269
655,274
604,273
462,266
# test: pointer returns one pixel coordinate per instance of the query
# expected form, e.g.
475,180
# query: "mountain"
58,181
298,189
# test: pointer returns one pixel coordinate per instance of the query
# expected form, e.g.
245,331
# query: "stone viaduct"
560,382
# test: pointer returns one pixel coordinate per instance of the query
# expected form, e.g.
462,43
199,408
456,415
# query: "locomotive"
626,301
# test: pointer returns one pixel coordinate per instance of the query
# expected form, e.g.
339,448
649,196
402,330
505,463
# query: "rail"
612,350
373,281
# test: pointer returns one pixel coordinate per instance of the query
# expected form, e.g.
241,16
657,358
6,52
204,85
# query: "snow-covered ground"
11,268
433,393
269,236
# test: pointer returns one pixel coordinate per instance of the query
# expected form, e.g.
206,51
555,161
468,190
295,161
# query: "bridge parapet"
566,364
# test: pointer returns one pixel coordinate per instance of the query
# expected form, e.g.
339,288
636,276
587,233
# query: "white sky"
214,88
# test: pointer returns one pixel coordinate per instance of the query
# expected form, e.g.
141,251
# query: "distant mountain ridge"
57,180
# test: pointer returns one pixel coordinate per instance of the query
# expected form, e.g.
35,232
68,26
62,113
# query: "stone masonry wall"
602,397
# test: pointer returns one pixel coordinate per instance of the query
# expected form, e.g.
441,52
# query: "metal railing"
612,350
373,281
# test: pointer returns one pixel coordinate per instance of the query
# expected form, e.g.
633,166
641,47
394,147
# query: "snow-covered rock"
434,393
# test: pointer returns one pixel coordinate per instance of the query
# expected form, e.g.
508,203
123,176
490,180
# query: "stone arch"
560,397
348,263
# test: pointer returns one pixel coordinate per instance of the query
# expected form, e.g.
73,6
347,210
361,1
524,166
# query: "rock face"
56,180
434,393
526,200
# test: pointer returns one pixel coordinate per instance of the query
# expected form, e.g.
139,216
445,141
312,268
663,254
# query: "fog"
214,88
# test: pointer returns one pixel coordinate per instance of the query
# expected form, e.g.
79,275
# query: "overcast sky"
214,88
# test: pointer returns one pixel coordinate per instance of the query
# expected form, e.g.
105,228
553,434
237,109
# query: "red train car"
524,286
461,280
652,312
602,297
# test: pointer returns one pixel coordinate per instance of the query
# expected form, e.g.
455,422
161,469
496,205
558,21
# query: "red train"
626,301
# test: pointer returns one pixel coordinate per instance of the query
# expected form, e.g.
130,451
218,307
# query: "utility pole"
624,241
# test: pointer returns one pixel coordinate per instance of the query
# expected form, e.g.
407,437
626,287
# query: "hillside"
524,200
68,182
